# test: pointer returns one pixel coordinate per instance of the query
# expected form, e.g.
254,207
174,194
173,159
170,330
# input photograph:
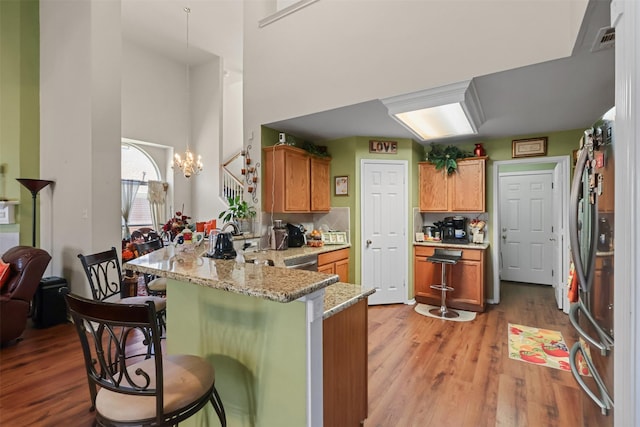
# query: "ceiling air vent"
606,38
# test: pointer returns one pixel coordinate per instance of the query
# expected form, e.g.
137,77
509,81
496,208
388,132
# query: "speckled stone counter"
232,314
341,296
481,246
276,284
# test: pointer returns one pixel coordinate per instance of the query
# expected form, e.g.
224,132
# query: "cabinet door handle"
369,243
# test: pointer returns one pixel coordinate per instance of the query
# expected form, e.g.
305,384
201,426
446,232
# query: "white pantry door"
528,241
384,230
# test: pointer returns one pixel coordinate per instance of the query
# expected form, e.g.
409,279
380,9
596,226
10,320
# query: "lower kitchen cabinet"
466,278
345,367
335,262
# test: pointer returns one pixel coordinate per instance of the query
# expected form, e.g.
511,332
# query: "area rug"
465,316
542,347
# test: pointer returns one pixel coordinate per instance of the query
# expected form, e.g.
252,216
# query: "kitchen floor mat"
542,347
465,316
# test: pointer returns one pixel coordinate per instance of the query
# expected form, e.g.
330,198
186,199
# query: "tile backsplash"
337,219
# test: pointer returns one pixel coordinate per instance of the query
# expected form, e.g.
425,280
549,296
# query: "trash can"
49,306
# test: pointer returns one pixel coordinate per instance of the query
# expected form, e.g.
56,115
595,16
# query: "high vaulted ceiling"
568,93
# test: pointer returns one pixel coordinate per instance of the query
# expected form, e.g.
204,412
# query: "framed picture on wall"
531,147
342,185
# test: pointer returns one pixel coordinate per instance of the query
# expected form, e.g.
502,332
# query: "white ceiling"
569,93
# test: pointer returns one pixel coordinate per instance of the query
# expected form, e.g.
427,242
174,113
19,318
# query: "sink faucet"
235,231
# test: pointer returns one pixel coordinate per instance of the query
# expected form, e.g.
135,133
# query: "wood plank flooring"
430,372
422,371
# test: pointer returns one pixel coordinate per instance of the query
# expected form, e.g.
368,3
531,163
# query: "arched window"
137,164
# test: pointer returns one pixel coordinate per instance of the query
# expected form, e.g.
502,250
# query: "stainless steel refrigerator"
592,231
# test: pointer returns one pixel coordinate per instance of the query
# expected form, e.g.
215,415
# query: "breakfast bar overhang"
261,328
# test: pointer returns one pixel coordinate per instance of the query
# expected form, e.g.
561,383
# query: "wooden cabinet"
466,278
295,181
345,368
320,184
335,262
462,191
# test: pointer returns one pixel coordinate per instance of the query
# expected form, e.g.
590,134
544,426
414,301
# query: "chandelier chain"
190,165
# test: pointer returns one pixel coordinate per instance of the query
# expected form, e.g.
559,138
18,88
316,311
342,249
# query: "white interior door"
384,230
528,239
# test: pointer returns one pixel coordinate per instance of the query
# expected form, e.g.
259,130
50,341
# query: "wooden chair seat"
147,389
158,286
186,379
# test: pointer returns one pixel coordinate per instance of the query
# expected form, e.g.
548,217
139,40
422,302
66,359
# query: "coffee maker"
447,232
460,229
454,229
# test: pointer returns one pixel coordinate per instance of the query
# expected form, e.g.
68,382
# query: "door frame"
554,214
405,224
561,201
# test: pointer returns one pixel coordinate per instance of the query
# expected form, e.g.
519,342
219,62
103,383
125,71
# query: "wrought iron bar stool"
444,257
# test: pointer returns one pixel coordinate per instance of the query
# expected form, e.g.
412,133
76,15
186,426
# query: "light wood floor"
431,372
422,371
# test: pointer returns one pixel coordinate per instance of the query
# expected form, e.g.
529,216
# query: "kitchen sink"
261,261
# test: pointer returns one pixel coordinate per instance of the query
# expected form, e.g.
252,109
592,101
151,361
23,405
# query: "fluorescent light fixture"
443,112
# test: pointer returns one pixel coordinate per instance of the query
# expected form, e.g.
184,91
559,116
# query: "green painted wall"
19,107
347,153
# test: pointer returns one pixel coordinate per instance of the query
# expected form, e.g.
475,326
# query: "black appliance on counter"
224,247
453,230
297,238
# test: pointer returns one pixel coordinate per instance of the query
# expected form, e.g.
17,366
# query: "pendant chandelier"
190,164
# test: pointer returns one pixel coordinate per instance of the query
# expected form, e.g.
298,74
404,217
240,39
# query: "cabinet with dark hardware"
466,278
461,191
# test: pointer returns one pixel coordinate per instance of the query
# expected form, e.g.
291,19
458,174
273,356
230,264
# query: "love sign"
383,147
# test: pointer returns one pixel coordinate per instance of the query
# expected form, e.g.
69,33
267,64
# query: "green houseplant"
446,157
239,212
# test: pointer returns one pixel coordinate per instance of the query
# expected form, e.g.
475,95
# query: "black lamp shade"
34,185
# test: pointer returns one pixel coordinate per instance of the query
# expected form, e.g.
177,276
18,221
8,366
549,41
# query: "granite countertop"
340,296
480,246
276,284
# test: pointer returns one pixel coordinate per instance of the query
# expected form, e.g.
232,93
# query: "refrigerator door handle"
573,216
604,401
605,344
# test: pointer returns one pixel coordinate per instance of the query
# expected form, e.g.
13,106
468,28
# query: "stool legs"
443,311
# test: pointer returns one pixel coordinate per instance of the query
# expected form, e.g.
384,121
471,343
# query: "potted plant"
445,157
239,212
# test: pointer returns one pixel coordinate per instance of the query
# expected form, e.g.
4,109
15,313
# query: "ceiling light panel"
441,112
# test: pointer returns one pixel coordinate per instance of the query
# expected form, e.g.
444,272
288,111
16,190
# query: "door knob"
504,237
369,243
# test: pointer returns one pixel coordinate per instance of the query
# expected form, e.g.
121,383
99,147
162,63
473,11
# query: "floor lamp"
34,185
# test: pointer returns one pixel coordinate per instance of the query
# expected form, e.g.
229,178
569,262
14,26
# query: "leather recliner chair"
27,266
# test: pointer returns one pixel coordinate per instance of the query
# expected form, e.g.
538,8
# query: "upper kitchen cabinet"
295,181
462,191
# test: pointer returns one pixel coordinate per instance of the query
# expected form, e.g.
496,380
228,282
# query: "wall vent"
605,39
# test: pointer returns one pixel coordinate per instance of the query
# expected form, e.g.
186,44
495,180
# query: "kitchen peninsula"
262,329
